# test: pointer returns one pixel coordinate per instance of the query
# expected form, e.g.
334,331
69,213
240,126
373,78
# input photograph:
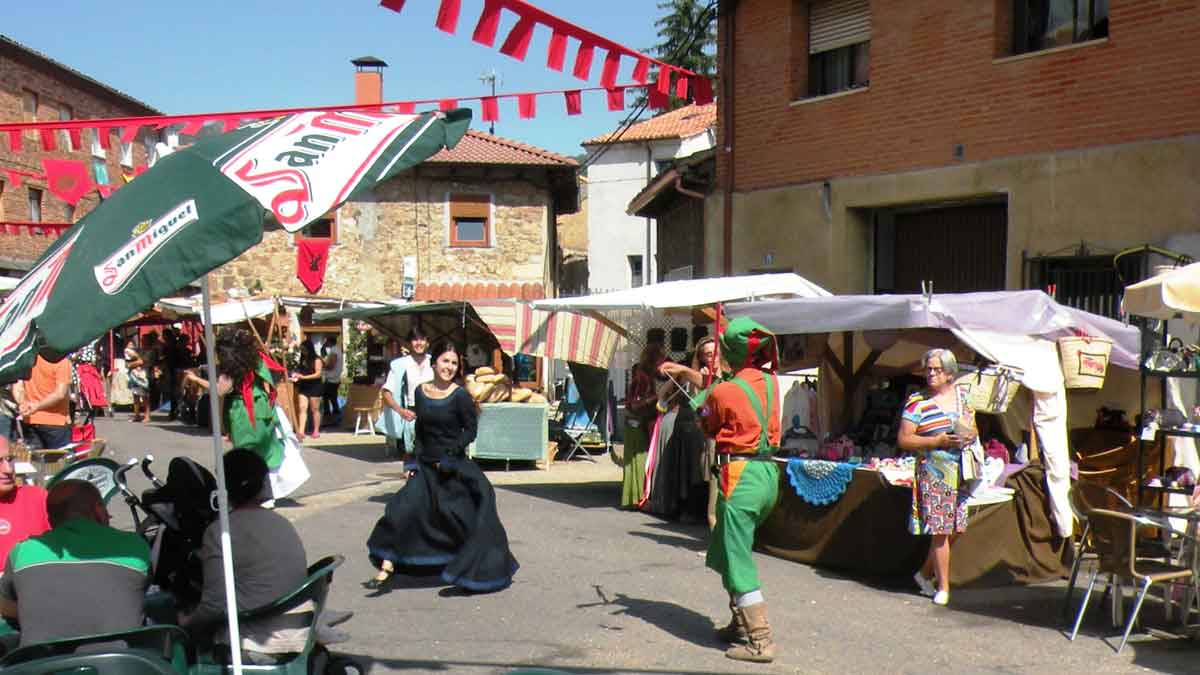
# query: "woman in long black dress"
445,515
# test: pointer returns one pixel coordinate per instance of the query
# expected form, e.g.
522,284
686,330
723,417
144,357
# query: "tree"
687,37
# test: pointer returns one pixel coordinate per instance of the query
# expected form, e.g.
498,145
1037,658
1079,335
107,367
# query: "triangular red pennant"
14,140
656,99
406,107
129,133
14,179
574,102
48,143
394,5
663,84
312,257
516,44
641,72
76,136
228,124
616,98
67,179
489,21
447,104
106,190
101,134
527,106
612,65
557,52
702,90
681,87
447,16
583,60
491,111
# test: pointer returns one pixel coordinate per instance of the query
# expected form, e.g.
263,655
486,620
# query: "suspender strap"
764,442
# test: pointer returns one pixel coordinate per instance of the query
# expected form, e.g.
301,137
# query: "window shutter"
838,23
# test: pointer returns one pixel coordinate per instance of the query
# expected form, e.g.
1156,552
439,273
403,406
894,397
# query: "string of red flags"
528,17
128,128
51,230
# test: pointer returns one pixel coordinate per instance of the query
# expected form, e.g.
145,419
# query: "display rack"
1161,435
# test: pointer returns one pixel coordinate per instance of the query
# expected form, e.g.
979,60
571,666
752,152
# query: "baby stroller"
173,517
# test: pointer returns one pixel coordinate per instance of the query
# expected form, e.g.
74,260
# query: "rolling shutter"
837,23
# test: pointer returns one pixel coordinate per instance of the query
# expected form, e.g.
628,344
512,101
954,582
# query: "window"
321,228
68,213
839,46
35,205
65,113
29,110
1045,24
635,271
100,170
127,155
97,149
662,165
470,220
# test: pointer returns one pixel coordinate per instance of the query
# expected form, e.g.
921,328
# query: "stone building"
859,140
35,87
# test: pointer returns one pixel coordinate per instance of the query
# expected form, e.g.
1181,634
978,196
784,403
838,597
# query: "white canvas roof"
1166,296
234,311
691,293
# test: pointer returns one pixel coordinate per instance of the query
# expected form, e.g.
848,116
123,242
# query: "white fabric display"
1050,420
293,472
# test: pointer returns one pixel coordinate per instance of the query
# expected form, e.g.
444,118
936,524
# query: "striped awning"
521,329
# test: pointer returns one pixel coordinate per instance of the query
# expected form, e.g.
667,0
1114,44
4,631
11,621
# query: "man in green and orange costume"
742,415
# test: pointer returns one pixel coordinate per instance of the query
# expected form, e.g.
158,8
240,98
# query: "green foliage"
356,350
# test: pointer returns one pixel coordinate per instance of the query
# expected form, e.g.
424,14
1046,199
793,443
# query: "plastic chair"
313,659
150,650
99,471
1121,561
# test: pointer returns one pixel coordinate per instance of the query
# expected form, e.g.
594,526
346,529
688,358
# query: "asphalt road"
607,591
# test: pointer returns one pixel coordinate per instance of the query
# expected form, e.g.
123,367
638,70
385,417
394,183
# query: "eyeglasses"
933,370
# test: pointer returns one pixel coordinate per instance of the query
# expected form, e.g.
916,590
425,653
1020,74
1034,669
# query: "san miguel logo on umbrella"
148,237
300,166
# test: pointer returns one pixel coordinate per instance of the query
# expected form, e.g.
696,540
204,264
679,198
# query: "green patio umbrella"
192,212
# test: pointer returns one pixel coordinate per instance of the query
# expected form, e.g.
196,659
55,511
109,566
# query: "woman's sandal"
378,581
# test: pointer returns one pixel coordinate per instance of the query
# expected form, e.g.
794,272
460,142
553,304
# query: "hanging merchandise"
1084,361
992,388
312,256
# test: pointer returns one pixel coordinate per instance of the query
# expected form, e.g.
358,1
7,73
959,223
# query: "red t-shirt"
22,515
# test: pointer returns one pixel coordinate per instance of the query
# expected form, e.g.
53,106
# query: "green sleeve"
260,436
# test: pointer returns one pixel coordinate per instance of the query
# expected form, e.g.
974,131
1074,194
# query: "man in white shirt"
331,355
405,375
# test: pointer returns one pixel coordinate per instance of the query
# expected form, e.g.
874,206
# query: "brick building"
477,221
860,140
35,87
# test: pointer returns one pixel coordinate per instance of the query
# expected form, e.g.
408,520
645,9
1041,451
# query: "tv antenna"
491,77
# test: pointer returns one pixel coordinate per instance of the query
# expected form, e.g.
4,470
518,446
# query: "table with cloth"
865,530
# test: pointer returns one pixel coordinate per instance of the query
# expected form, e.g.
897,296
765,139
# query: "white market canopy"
690,293
224,313
8,283
1166,296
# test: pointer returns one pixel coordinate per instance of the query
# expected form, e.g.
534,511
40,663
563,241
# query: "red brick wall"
935,83
54,87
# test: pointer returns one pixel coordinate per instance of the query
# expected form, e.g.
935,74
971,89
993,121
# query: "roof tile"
478,147
682,122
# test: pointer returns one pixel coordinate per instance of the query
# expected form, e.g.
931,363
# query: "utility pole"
491,77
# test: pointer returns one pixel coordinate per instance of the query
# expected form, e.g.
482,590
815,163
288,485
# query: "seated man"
22,507
80,578
268,561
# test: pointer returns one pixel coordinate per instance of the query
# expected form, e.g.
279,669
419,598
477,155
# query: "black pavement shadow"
593,495
374,453
403,582
681,622
432,666
691,537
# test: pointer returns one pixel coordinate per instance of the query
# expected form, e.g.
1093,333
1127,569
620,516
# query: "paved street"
607,591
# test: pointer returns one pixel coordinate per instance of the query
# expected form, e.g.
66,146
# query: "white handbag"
293,472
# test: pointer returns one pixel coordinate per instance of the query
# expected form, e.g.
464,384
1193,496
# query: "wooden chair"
1117,546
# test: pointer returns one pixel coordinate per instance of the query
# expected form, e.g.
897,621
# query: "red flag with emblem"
311,258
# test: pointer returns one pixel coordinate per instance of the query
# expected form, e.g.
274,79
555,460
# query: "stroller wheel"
343,665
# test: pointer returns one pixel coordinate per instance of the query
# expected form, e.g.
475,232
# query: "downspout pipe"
648,274
729,16
684,191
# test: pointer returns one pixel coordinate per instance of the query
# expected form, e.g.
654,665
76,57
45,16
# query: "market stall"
1018,329
504,343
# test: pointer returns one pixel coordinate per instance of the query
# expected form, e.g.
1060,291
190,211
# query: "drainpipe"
648,277
730,18
684,191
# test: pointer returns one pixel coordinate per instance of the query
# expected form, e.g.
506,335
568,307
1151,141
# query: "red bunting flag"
14,179
14,141
489,21
129,133
641,72
574,101
67,179
106,190
394,5
191,128
406,108
447,16
656,99
312,256
48,143
616,98
491,110
101,134
583,60
527,106
556,54
516,44
664,81
612,65
681,87
702,90
228,124
447,104
76,136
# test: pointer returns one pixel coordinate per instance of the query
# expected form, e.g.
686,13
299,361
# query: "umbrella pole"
214,407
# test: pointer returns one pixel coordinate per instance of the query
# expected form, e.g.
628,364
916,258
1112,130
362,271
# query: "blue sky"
212,57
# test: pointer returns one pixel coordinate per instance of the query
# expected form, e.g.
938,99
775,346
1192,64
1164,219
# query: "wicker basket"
1084,361
990,389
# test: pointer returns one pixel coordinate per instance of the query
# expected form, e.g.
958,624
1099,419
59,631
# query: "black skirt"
445,517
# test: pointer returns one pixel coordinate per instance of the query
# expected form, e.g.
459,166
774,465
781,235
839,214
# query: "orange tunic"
43,380
730,419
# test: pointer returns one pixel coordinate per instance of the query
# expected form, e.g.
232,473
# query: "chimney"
368,80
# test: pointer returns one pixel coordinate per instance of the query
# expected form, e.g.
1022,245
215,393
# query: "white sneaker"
924,584
941,598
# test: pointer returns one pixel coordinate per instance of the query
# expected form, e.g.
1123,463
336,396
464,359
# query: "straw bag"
1084,361
992,388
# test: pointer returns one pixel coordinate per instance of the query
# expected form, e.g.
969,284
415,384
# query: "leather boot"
760,646
736,630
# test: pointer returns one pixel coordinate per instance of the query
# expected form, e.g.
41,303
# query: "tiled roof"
683,122
146,108
484,290
478,147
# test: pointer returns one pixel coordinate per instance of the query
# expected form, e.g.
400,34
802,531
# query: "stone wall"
409,216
